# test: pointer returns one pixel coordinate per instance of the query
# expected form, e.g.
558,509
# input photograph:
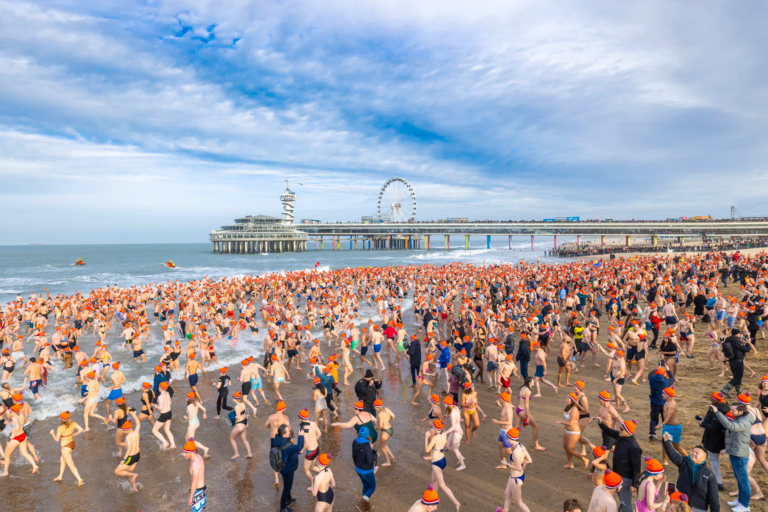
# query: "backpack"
276,459
728,349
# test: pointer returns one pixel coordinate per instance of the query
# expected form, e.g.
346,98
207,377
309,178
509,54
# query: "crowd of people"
472,325
733,244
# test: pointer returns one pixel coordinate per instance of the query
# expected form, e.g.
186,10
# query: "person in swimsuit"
323,484
133,455
384,417
65,435
648,488
194,406
470,407
362,419
518,459
571,431
524,416
18,439
147,399
92,400
164,420
434,444
198,491
321,405
8,364
599,465
454,434
190,372
119,417
240,427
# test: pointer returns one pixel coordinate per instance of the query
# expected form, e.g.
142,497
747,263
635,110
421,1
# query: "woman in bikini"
361,419
524,416
194,406
18,439
323,484
518,460
119,417
240,428
385,417
599,465
65,434
147,397
435,412
571,432
422,380
470,409
434,445
455,432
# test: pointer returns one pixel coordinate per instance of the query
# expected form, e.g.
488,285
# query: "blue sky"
157,121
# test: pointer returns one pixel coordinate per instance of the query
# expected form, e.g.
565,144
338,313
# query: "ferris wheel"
397,201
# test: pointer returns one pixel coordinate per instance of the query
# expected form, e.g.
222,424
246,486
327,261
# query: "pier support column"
531,242
488,242
510,242
629,241
466,242
447,241
578,240
388,242
555,241
215,248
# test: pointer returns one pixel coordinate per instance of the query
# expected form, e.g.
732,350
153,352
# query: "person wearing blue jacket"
658,380
442,361
365,457
290,464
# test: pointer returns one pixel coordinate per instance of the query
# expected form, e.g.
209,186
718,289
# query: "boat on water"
79,262
170,264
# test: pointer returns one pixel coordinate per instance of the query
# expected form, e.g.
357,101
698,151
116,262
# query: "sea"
45,269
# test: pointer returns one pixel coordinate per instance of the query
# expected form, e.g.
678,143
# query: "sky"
158,121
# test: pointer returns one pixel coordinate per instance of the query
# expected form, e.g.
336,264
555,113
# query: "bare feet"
236,456
539,448
568,466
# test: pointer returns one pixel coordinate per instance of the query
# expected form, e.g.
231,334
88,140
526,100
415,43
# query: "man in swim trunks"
198,492
164,420
190,369
245,380
504,423
132,454
671,425
311,433
117,384
34,370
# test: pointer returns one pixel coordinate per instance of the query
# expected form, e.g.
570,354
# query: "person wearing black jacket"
509,340
735,354
290,464
367,390
694,478
524,355
714,435
627,456
414,356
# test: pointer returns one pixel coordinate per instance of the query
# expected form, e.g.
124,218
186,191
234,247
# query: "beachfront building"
262,234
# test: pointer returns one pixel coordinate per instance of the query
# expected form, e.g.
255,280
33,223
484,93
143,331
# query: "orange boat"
79,262
170,264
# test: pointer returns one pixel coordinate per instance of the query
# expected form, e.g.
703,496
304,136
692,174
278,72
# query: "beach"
245,484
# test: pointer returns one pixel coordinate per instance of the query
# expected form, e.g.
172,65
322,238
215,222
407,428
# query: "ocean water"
50,269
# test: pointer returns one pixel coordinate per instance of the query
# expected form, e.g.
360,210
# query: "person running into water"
434,444
132,454
323,484
194,406
65,435
239,426
164,420
384,417
198,491
518,459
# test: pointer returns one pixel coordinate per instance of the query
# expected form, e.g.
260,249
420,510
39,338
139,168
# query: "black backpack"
728,349
276,461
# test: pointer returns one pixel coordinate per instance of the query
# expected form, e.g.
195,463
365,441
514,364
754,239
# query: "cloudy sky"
153,121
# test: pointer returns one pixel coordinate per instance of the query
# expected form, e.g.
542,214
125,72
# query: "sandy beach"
245,484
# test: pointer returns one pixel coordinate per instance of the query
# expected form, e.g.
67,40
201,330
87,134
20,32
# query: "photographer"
737,446
735,350
367,390
714,435
694,478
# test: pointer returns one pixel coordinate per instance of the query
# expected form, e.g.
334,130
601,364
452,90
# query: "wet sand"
245,484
